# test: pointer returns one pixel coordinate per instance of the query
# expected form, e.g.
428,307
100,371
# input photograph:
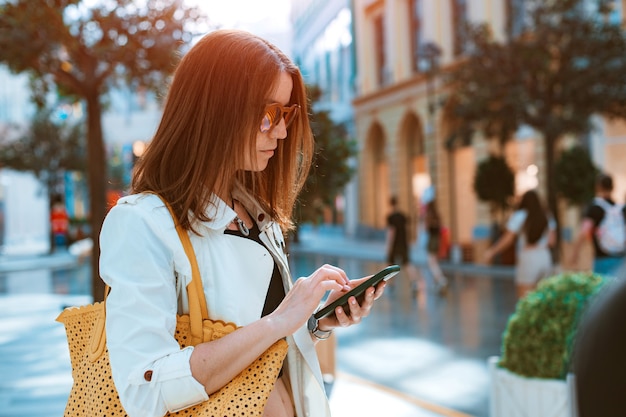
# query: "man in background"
59,223
397,242
604,224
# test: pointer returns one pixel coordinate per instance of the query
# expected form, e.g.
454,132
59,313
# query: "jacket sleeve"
150,371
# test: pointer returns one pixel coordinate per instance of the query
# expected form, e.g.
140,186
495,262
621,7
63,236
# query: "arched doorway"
413,172
375,179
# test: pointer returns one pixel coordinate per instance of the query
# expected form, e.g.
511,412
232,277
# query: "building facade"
24,207
132,116
323,49
402,47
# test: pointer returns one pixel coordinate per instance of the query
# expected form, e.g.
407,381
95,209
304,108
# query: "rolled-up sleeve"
151,373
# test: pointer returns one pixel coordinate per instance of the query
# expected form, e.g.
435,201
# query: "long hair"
211,119
433,219
536,220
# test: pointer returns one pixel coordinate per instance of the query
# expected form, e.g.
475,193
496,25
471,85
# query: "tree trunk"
96,170
550,145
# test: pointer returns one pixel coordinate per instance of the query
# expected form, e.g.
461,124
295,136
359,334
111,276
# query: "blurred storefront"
323,48
402,50
131,117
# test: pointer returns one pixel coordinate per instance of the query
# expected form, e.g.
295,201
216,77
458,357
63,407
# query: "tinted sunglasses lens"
266,123
274,113
290,116
271,118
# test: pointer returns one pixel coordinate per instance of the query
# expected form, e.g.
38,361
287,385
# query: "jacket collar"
259,215
221,214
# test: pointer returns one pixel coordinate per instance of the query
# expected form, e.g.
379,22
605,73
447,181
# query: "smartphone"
358,292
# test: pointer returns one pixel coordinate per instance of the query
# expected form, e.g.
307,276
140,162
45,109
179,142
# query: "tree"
576,176
495,183
566,67
330,170
83,49
47,149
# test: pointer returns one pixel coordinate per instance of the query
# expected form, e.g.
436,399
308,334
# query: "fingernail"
346,288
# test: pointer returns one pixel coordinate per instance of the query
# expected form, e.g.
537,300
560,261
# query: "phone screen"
358,292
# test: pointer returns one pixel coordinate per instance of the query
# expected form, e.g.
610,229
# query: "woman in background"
536,232
433,226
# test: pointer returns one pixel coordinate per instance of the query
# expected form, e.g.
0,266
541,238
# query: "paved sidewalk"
34,360
33,348
61,259
331,241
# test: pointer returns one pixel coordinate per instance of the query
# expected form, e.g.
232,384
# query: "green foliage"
85,48
567,65
575,176
81,49
539,336
330,171
494,181
46,149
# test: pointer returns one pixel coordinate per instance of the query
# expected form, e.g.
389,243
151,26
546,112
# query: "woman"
230,154
433,226
536,231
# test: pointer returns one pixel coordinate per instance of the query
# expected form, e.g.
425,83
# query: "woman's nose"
281,129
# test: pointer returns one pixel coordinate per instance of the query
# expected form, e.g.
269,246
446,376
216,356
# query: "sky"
267,18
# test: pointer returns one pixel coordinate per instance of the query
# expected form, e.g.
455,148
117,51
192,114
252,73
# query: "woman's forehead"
282,92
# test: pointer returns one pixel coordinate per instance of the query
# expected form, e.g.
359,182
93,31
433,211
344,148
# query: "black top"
276,291
397,220
596,214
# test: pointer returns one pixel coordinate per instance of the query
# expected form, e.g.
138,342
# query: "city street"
417,354
429,347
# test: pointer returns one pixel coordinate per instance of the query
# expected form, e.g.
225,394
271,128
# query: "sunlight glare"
243,14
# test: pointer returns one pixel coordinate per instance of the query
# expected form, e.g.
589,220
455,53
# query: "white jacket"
144,263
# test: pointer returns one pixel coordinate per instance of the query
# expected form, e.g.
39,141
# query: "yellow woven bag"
93,393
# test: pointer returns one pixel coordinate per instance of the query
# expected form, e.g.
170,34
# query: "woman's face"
266,142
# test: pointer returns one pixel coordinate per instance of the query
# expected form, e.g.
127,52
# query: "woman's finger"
328,272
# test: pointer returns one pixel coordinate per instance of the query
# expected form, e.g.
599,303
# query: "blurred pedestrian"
59,223
433,224
604,223
397,242
232,151
534,229
598,361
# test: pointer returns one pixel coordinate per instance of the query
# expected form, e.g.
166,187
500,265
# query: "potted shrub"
532,376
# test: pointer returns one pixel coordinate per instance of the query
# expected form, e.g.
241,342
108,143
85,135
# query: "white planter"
513,395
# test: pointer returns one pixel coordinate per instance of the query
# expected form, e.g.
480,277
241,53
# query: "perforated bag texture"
93,393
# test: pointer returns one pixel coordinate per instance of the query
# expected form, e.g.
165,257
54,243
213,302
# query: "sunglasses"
274,113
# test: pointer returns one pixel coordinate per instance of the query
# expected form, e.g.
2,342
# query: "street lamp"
139,147
428,55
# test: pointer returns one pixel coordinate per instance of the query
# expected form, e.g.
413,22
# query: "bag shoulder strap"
198,310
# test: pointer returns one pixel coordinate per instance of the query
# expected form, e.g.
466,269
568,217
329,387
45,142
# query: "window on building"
459,26
345,70
328,79
379,49
515,17
616,16
415,16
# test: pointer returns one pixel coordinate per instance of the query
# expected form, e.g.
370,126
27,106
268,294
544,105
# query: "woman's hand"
357,312
488,255
305,296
